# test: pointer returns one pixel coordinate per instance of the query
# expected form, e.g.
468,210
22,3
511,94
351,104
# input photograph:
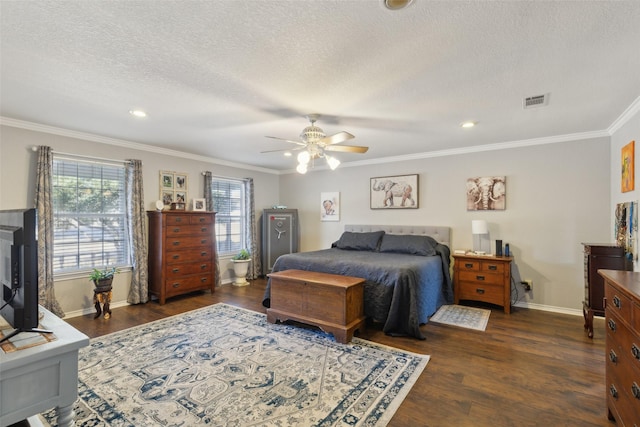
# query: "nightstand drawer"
480,277
487,292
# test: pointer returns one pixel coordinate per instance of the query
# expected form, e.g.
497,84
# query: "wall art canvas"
173,187
487,193
628,172
394,192
330,206
626,228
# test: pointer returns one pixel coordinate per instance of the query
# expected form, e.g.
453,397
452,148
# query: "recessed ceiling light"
397,4
287,154
468,124
138,113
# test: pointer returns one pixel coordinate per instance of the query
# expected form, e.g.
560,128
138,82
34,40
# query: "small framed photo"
330,206
199,204
173,187
394,192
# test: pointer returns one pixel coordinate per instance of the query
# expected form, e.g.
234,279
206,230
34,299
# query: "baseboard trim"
551,308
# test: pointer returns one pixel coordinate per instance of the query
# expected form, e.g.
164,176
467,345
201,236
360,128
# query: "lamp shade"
479,226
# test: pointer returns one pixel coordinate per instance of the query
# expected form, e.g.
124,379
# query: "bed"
406,271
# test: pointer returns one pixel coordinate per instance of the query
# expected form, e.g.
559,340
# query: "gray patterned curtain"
46,293
208,196
137,232
251,232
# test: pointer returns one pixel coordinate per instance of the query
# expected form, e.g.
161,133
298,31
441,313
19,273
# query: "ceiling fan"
314,142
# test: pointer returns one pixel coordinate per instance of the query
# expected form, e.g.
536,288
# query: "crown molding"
630,112
126,144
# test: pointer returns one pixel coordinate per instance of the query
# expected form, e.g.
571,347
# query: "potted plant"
102,279
241,262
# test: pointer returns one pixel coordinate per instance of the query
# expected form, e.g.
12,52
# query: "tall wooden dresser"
181,252
622,318
598,256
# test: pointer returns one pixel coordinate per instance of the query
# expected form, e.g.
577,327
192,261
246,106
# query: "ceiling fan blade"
287,140
346,148
337,138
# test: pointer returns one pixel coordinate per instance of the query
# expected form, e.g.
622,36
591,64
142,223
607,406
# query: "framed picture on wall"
330,206
487,193
628,174
173,187
394,192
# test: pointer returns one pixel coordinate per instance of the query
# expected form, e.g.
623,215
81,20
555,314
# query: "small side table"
484,278
102,296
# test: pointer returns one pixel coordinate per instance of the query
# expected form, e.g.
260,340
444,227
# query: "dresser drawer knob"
176,243
203,241
613,391
612,325
175,270
613,356
203,266
635,350
493,267
175,256
176,230
616,301
635,390
203,229
201,219
204,279
479,277
480,291
203,253
175,285
468,265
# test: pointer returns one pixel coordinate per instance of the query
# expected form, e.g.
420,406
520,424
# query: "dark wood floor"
529,368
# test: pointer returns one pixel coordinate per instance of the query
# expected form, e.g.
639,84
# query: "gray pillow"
408,244
359,241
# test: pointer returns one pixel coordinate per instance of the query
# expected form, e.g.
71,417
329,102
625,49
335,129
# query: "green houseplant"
241,267
102,279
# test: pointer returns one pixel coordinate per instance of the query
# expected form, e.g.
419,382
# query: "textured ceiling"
215,77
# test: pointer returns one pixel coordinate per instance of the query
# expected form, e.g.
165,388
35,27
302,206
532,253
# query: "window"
228,203
88,215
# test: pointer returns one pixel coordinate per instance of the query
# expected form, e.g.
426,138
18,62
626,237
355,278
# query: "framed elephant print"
487,193
394,192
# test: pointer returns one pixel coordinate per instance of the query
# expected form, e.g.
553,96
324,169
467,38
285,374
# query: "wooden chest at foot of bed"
331,302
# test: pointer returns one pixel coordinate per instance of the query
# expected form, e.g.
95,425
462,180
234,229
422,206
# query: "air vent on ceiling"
536,101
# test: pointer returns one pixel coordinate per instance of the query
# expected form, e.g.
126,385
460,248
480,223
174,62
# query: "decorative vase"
240,269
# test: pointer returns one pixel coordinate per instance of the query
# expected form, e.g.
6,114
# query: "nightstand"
483,278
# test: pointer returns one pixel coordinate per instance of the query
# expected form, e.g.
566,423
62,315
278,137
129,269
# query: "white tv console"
36,379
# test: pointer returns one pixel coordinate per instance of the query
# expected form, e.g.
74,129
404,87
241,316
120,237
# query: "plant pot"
102,285
240,269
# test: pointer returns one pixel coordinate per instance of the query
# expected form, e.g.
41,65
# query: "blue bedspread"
401,291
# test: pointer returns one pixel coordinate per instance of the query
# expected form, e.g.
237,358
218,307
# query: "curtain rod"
80,156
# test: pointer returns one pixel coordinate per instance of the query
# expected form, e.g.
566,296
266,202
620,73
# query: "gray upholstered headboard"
441,234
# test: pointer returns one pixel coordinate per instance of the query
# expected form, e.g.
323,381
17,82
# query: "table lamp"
478,227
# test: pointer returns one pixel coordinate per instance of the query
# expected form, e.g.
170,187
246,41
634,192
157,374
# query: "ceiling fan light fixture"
302,168
332,162
304,157
468,124
288,154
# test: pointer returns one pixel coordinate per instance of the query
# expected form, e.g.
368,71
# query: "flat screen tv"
19,270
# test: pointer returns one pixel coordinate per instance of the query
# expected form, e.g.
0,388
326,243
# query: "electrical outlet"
527,284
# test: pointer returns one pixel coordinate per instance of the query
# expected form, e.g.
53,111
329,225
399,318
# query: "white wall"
557,197
17,190
630,131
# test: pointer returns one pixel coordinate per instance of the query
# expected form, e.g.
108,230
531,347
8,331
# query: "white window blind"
88,215
228,203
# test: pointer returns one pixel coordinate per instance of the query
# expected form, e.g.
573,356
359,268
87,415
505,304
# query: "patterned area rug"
226,366
463,317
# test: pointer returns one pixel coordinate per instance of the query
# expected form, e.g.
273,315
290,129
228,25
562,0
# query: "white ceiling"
215,77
